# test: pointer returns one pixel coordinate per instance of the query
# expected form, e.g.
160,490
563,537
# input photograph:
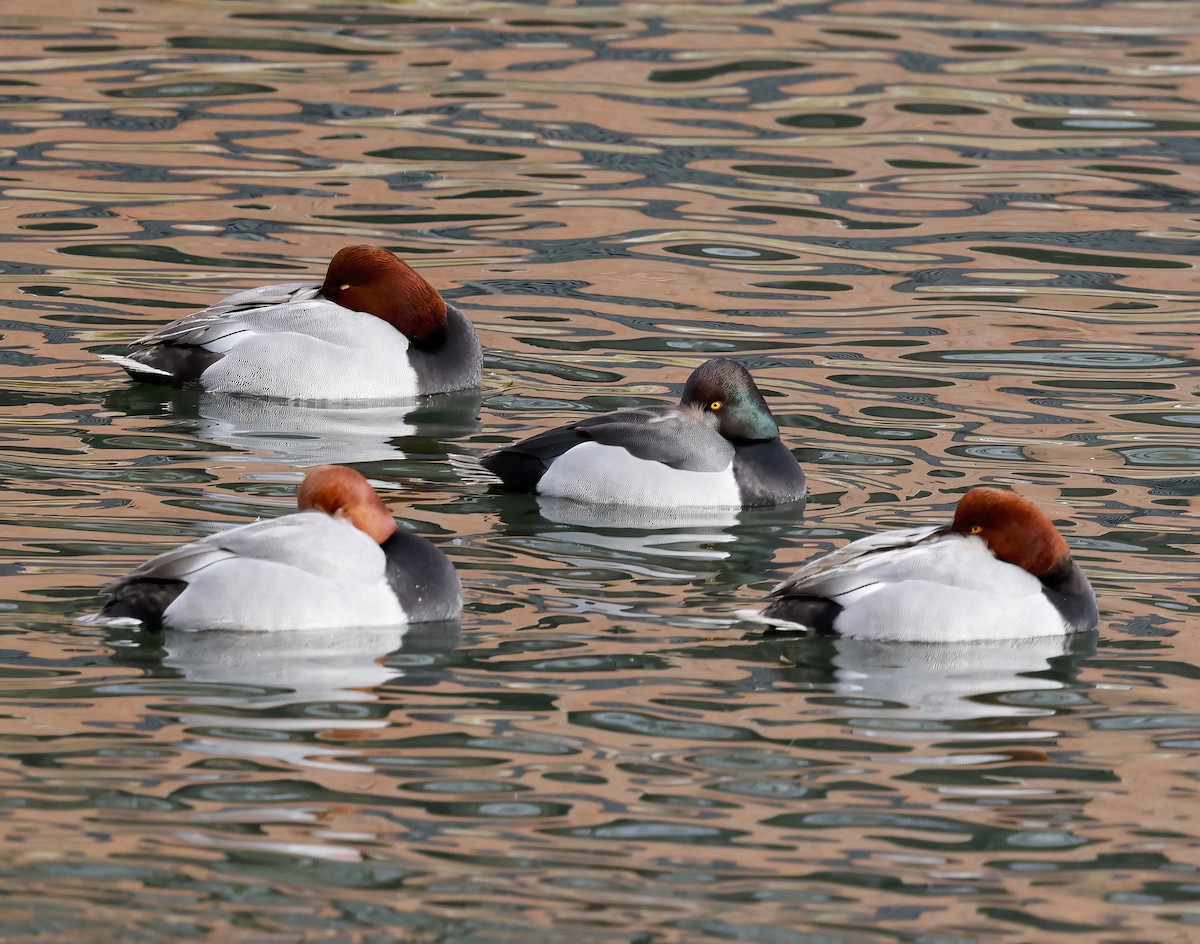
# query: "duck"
373,330
718,448
998,570
341,560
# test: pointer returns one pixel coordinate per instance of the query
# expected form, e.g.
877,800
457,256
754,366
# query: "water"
953,242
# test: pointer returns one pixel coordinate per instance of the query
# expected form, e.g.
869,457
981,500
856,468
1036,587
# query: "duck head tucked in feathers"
373,280
343,493
1013,528
998,570
340,561
372,330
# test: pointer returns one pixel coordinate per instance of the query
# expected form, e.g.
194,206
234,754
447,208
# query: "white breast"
598,474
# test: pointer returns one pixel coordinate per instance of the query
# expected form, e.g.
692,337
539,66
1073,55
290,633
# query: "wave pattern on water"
955,246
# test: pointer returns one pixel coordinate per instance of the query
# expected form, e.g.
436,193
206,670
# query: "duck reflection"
620,533
963,681
303,434
274,691
677,544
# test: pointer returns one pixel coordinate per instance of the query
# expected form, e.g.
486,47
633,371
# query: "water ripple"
954,249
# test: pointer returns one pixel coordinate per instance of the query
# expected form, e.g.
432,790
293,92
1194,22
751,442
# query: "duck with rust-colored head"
373,330
719,448
341,560
999,570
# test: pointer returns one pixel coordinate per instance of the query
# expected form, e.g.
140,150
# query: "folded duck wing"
267,309
853,565
670,436
932,556
313,543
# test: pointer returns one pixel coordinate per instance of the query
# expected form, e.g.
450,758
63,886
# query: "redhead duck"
340,561
999,570
374,330
719,448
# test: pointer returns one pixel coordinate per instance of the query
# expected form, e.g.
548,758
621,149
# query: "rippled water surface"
955,242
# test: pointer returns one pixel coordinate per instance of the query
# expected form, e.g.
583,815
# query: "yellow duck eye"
976,528
715,405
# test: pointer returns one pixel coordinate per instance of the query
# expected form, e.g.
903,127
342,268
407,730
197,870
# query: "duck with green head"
719,448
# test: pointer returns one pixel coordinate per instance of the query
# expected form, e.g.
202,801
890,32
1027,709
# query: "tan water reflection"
954,245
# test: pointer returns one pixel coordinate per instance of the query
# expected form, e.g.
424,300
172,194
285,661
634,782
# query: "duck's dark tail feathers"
166,364
517,471
521,466
144,599
815,615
